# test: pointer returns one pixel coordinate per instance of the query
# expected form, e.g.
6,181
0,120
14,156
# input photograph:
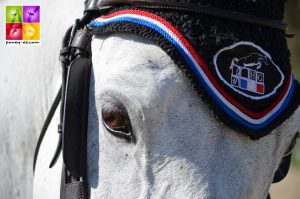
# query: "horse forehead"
121,67
123,51
147,80
131,63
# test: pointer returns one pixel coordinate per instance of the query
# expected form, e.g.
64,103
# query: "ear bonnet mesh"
241,70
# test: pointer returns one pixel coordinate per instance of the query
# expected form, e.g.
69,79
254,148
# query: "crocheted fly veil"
241,70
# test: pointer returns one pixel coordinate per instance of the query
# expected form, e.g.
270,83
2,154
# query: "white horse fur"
182,151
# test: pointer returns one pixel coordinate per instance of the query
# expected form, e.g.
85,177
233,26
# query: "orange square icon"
31,31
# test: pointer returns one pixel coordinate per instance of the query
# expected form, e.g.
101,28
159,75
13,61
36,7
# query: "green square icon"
14,14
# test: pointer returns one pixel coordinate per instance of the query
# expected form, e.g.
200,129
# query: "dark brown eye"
292,145
116,121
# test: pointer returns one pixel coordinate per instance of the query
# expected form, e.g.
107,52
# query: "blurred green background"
289,188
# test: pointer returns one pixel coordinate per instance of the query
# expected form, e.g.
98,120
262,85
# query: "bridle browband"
75,57
193,8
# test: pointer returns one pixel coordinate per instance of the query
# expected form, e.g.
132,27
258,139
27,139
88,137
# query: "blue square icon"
244,83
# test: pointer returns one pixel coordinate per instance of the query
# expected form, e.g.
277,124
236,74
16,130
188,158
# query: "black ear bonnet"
240,72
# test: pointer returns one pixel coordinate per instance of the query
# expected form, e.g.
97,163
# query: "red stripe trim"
204,66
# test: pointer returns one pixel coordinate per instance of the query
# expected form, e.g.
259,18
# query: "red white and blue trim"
230,105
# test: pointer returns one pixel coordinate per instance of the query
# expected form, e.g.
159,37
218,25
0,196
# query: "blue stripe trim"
198,74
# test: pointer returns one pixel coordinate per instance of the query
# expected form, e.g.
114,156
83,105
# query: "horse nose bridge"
187,179
227,184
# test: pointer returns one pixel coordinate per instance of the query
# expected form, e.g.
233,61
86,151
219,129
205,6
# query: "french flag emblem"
247,79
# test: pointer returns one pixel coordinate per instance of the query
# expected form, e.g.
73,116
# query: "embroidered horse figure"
254,60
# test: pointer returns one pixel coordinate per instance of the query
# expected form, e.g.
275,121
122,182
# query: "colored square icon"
31,14
14,14
13,31
244,83
261,88
31,31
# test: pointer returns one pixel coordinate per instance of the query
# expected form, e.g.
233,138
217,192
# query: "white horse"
182,151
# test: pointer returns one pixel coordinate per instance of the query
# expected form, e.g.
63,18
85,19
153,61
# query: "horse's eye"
117,122
292,145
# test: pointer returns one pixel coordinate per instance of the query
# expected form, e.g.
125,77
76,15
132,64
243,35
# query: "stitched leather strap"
74,190
82,41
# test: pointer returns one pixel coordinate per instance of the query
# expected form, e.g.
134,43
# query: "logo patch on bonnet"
248,70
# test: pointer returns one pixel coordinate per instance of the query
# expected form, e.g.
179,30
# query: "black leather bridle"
75,57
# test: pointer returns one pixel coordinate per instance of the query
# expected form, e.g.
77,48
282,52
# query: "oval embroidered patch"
248,70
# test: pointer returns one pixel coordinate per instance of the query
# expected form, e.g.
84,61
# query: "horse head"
180,149
152,130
